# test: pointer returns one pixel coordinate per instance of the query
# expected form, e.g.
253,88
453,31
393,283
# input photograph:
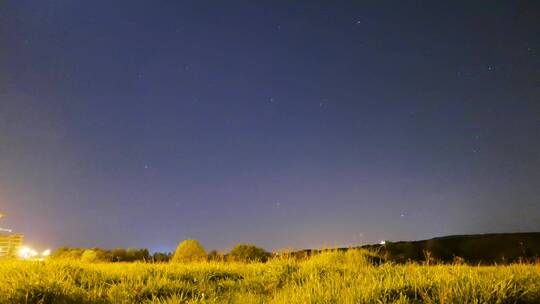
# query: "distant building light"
27,253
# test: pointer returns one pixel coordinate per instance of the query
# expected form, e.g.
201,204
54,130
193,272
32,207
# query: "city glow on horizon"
28,253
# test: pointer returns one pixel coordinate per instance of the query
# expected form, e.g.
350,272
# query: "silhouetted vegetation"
102,255
189,251
216,256
473,249
334,276
345,275
161,257
248,253
504,248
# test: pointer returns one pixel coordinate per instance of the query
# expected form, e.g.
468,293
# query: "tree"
160,257
248,253
89,256
143,255
67,253
189,251
135,254
216,256
119,255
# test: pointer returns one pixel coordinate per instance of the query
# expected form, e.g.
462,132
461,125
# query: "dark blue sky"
284,123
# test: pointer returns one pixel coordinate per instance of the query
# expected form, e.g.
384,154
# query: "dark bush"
248,253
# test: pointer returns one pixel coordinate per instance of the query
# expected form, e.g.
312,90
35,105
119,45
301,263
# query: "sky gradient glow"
285,124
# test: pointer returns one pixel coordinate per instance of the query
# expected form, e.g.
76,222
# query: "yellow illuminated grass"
331,277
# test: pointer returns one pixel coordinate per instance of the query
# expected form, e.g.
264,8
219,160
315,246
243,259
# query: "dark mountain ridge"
493,248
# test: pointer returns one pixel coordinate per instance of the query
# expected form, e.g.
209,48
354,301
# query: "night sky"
280,123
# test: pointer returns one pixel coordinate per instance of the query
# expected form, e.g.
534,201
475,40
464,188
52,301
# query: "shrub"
104,255
160,257
189,251
216,256
66,253
248,253
89,256
135,254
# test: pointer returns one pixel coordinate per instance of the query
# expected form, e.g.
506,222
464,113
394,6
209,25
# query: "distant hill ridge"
493,248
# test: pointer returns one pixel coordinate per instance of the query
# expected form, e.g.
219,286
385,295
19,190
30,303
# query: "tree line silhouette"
187,251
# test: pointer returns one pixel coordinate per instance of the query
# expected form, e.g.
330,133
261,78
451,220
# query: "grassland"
330,277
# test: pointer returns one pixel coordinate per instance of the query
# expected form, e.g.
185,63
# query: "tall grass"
329,277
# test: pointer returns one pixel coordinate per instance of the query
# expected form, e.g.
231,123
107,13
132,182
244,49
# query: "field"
329,277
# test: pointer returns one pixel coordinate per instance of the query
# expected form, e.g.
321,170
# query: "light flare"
27,253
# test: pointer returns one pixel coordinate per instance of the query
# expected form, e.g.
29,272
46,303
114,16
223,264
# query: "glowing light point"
27,253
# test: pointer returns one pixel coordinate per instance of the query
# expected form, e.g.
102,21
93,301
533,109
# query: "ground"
330,277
